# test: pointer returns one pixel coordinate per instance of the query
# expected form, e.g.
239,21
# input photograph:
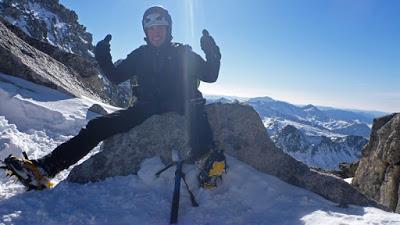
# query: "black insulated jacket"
166,76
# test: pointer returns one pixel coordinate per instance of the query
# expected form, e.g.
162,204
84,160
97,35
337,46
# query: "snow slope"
36,119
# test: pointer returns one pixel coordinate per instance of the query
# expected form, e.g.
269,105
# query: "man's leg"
95,131
201,136
211,160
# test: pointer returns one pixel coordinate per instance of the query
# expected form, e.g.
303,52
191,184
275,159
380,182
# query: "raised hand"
209,47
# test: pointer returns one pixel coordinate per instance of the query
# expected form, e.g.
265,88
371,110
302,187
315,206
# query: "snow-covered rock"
319,151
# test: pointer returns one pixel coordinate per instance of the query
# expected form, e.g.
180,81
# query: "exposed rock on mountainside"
378,174
85,70
49,21
237,129
21,59
54,30
85,67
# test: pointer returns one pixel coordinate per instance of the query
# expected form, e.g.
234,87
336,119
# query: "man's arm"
209,69
116,74
206,70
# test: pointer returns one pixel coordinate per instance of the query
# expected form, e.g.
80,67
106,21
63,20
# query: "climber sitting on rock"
164,77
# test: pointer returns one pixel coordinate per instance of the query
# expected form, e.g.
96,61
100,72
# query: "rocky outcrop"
20,59
39,62
237,129
378,174
347,170
86,69
49,21
98,109
54,30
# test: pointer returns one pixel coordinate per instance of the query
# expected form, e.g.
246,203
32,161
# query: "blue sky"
334,52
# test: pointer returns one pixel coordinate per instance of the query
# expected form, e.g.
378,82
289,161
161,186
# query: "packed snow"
35,119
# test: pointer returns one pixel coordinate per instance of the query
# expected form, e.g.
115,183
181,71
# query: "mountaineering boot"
28,172
213,165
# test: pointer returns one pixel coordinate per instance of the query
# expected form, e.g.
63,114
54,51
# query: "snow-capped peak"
310,107
264,99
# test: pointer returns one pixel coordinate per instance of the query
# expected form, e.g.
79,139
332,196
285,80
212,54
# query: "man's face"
157,35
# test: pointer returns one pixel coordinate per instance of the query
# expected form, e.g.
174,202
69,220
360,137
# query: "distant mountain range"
318,136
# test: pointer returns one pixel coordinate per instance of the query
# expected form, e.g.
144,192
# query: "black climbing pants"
101,128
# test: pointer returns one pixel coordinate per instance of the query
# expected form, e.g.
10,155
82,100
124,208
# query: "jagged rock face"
378,174
49,21
85,70
98,109
319,151
236,128
292,140
85,67
21,59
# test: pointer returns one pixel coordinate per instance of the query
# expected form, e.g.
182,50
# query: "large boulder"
121,154
237,129
378,174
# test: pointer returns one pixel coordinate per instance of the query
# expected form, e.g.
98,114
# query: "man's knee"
98,129
93,124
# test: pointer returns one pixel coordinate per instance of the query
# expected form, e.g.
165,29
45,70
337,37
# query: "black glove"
209,47
102,50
